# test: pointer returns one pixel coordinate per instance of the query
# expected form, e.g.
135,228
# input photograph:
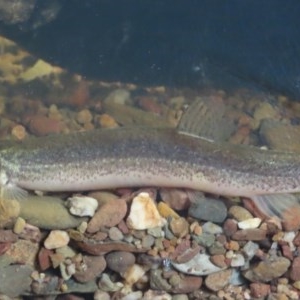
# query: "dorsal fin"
205,118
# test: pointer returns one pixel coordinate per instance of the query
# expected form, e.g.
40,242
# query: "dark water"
175,43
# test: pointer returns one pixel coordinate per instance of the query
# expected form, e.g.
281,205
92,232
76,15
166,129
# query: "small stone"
42,125
19,132
204,208
217,281
44,258
229,227
180,297
109,214
237,260
107,121
156,232
249,223
211,228
239,213
175,198
296,285
107,285
219,260
119,96
250,249
233,245
259,290
133,274
100,295
143,213
148,241
56,239
115,234
179,227
166,211
187,284
19,225
295,269
205,239
291,218
268,270
91,267
157,295
255,234
7,235
9,211
120,261
84,117
82,206
216,248
157,282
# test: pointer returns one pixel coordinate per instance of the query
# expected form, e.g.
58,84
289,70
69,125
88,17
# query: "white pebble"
144,214
212,228
82,206
56,239
249,223
238,260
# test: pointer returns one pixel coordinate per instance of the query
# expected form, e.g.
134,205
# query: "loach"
133,157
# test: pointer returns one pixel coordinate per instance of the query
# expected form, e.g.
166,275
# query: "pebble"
91,267
274,134
42,125
47,213
259,290
157,295
180,297
263,111
120,261
9,211
7,235
175,198
205,239
255,234
44,259
166,211
179,227
157,282
15,280
249,223
239,213
295,269
230,227
56,239
19,225
109,214
115,234
144,214
133,274
119,96
238,260
199,265
219,280
82,206
268,270
19,132
107,285
250,249
208,209
216,248
84,117
100,295
107,121
211,228
156,232
219,260
187,284
133,296
148,241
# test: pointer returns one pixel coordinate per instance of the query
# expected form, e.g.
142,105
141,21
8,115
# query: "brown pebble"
291,218
7,236
84,117
91,267
287,252
42,125
179,227
187,284
295,269
219,260
239,213
80,95
19,132
120,261
177,199
254,234
4,247
109,214
296,240
149,104
230,227
218,280
44,258
259,290
106,121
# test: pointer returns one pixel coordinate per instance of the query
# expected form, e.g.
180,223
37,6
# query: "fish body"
132,157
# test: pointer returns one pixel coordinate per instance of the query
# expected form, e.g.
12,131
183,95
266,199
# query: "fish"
160,157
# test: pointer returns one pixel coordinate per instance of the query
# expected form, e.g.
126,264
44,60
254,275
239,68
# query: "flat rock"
208,209
255,234
15,280
218,281
109,214
268,270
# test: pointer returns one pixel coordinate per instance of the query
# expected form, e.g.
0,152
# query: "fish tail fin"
286,207
13,192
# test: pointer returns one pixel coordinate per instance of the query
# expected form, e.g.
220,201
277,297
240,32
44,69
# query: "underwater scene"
149,150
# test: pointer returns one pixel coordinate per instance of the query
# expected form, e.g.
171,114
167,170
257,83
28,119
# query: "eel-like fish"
132,157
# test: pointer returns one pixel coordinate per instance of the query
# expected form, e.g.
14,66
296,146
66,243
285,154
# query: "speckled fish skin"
125,157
